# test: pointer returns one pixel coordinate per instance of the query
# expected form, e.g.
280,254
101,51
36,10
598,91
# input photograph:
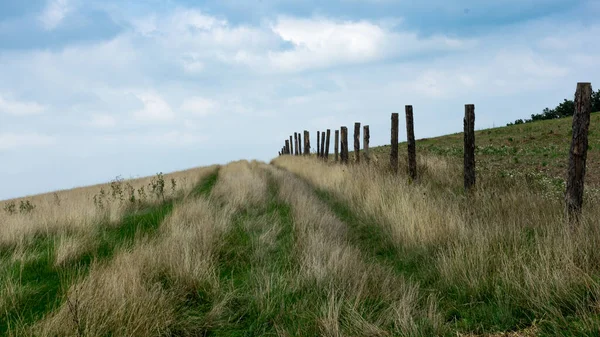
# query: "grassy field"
300,247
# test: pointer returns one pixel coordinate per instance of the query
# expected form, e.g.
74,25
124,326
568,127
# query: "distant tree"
564,109
596,101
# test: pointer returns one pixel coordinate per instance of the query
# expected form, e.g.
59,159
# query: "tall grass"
502,257
74,210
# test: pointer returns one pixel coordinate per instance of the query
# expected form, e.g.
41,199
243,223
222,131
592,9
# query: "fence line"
577,153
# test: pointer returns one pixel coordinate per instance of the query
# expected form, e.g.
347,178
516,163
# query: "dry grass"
507,245
74,210
350,281
143,292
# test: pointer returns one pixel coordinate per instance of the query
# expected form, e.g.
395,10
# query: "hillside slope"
302,247
539,147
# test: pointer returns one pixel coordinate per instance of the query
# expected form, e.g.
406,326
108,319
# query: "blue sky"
94,89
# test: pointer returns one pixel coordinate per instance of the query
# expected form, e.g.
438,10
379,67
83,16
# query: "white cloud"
102,121
54,13
13,107
322,42
199,106
155,109
12,141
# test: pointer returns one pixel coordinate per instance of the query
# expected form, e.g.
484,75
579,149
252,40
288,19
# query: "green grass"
239,267
540,147
44,284
470,311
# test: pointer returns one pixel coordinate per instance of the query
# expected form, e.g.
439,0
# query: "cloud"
13,141
13,107
169,138
102,121
155,109
54,13
199,106
324,42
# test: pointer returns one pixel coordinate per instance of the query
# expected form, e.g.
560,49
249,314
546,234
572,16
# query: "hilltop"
303,247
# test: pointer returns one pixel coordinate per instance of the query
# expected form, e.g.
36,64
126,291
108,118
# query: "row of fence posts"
577,153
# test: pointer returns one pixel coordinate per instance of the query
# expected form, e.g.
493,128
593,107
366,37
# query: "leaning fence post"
306,143
578,152
469,146
357,142
394,144
344,154
410,137
337,142
327,144
366,138
299,144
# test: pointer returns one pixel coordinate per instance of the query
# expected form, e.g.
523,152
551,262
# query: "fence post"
323,144
299,144
394,144
287,146
469,146
291,146
410,137
318,144
366,138
357,142
578,152
306,143
327,144
336,146
344,154
295,144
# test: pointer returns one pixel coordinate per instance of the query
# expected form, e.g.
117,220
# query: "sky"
91,90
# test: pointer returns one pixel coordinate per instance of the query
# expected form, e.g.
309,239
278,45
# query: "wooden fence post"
469,146
323,144
327,144
578,152
344,154
295,144
394,144
287,146
410,137
291,146
306,143
318,144
299,144
366,138
357,142
336,146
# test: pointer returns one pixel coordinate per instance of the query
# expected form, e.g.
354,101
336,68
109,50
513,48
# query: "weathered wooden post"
327,144
410,137
366,138
337,142
299,144
287,146
344,145
357,142
578,152
306,143
469,146
323,144
291,146
318,144
394,144
295,144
